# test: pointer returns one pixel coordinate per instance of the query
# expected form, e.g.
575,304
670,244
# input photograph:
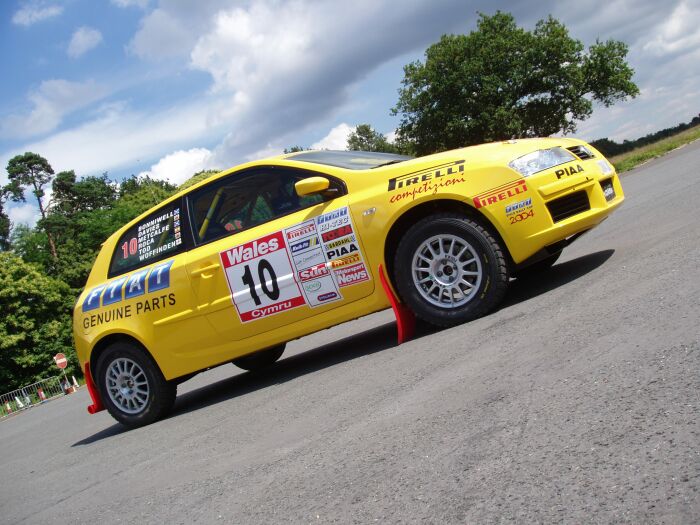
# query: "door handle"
202,272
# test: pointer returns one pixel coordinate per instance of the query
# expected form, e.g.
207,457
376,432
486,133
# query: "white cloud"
25,213
180,165
679,32
172,29
83,40
51,102
129,3
337,138
119,138
33,13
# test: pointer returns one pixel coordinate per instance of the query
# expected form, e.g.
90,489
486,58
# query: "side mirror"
311,186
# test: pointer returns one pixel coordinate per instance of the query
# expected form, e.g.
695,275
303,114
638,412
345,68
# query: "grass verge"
631,159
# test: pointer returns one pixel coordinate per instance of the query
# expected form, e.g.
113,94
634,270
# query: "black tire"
129,405
261,359
537,268
482,248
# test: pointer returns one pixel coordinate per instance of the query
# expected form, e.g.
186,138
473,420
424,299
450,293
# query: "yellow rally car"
231,269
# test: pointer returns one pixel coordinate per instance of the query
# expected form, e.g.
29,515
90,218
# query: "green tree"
31,171
294,149
5,223
365,138
502,81
35,323
198,177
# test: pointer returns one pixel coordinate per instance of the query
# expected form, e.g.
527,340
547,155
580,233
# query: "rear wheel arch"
108,341
415,214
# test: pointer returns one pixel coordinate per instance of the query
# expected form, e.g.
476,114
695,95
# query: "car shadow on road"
560,274
353,347
368,342
359,345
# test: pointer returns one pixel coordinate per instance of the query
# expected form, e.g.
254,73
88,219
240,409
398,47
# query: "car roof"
353,160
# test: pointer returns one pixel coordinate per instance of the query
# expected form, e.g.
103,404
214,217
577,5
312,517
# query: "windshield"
352,160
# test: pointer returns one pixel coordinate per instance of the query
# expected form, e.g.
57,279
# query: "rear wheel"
132,386
450,269
261,359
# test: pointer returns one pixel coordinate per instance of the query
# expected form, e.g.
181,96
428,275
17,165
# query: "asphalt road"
576,402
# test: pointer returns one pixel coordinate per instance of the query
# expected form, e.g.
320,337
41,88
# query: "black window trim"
335,181
187,239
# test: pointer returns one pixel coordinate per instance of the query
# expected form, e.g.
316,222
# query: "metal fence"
31,395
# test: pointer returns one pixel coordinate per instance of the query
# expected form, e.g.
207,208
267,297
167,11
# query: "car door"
266,258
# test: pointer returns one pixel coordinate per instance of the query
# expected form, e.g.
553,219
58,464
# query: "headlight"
540,160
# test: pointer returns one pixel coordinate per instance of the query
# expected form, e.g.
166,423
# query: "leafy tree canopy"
294,149
34,322
197,177
502,81
365,138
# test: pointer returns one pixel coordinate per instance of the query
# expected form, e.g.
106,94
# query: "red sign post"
62,363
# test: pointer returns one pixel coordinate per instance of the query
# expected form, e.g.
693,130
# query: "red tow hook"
405,319
97,405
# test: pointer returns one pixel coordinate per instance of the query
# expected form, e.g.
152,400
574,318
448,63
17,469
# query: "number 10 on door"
261,278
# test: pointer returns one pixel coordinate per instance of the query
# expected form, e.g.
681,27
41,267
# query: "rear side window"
155,237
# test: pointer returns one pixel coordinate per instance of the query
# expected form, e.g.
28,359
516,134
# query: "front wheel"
450,269
132,386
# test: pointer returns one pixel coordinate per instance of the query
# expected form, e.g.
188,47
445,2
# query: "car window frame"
187,238
335,182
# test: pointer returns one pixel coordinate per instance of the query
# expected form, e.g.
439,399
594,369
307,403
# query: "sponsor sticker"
519,206
500,193
426,175
351,275
341,251
304,244
345,261
303,230
256,275
570,170
340,242
327,296
309,258
336,214
337,233
313,272
520,211
312,286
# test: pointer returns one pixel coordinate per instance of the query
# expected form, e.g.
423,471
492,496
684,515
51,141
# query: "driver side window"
242,201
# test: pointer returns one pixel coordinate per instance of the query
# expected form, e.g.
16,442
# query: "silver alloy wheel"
127,385
446,271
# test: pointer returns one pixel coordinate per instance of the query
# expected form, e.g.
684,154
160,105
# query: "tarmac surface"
577,402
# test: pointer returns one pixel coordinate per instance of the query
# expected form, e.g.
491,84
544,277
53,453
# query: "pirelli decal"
426,175
500,193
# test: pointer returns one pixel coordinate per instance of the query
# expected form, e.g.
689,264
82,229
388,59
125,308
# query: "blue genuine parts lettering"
136,284
157,277
113,292
92,300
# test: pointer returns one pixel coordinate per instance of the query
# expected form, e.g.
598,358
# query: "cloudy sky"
169,87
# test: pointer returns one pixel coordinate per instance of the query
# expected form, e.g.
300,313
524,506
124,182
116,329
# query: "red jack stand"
405,319
92,390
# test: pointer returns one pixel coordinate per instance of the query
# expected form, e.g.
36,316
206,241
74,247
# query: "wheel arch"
424,209
109,340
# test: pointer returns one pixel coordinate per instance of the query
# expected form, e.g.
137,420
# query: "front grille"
565,207
581,152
